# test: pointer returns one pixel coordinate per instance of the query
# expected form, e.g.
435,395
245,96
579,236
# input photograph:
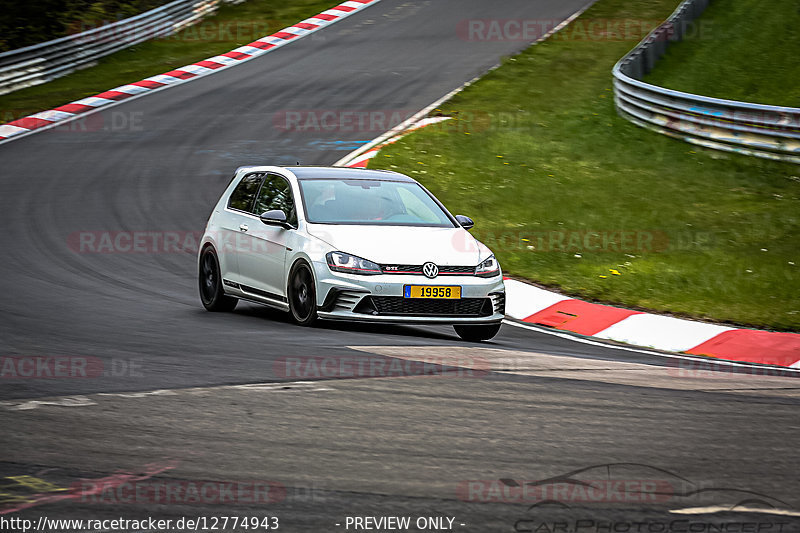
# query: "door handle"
243,227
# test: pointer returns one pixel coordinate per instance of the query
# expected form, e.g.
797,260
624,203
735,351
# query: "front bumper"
380,298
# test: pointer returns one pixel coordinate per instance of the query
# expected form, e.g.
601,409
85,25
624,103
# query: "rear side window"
244,194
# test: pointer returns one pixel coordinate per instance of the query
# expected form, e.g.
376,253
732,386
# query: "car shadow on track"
263,312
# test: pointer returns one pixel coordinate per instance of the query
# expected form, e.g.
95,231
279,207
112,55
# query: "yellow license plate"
427,291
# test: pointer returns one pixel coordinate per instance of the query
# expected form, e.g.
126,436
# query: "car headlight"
342,262
488,269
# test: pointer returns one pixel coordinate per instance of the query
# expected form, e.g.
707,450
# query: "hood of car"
406,245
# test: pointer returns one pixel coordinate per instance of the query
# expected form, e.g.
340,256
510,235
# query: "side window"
244,193
276,193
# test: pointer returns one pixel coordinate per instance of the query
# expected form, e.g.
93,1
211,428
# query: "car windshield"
371,202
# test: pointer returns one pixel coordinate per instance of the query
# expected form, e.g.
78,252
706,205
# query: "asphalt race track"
190,398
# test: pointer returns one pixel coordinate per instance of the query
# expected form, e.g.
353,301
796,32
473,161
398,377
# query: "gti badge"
430,270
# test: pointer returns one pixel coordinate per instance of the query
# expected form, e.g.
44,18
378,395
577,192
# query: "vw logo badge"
430,270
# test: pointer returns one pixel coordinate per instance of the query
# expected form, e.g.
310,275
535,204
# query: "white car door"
262,264
234,222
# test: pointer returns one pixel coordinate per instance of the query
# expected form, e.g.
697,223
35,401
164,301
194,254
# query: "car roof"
318,173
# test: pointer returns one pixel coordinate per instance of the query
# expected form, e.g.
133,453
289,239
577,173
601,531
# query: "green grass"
740,50
231,27
536,147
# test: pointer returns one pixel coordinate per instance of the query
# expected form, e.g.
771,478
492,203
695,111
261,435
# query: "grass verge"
573,197
232,26
740,50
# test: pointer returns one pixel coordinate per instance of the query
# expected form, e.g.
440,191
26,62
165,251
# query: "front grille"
401,269
397,305
417,269
456,270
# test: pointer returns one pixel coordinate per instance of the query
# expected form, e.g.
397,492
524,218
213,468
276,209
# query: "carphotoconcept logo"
565,502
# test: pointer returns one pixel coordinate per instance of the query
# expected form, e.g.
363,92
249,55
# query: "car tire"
477,333
302,295
210,283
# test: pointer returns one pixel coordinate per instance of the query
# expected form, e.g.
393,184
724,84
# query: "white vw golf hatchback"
347,244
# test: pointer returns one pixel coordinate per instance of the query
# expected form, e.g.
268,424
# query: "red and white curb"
71,111
534,305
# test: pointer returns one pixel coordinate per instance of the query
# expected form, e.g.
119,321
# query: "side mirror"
465,222
275,217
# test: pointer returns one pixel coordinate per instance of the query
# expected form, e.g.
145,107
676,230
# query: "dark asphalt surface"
389,446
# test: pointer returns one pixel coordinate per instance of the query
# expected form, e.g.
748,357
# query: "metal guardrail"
771,132
46,61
